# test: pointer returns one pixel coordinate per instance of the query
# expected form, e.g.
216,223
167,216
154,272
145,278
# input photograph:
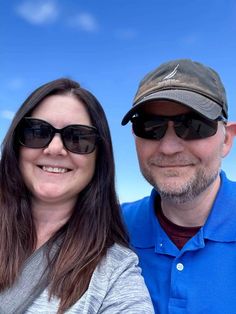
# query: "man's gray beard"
190,190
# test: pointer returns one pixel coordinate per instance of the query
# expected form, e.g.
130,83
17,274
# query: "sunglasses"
187,126
76,138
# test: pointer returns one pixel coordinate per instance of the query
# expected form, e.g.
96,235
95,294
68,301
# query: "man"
185,232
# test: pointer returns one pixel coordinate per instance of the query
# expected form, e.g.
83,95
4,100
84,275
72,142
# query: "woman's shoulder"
120,252
120,284
116,286
118,256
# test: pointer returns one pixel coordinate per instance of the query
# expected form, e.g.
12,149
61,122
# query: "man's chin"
176,197
174,189
173,184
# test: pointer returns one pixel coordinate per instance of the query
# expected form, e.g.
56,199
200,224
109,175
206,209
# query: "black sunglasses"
76,138
187,126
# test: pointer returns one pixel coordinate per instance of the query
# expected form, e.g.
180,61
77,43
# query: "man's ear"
230,133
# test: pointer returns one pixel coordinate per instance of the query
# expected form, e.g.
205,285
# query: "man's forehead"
164,107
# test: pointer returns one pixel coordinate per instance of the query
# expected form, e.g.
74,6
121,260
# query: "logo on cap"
169,76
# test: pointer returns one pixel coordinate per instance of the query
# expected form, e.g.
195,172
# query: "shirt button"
180,266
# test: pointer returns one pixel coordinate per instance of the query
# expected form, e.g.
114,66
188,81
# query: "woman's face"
53,174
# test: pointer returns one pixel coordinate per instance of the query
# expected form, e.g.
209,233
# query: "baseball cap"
184,81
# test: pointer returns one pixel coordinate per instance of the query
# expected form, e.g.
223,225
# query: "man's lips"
174,166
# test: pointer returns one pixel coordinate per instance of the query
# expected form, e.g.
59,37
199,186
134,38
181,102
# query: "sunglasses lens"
80,139
194,128
149,129
35,133
187,126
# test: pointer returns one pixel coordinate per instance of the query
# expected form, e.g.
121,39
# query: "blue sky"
108,46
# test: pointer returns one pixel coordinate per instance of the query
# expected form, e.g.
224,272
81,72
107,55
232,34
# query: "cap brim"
195,101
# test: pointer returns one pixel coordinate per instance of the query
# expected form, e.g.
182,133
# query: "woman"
63,246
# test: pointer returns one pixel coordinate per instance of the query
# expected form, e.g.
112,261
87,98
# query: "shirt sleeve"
127,292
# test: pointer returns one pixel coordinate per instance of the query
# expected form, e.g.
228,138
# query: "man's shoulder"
139,217
135,204
227,188
131,209
139,210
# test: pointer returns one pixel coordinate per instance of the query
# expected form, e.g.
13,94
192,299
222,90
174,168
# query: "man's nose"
170,143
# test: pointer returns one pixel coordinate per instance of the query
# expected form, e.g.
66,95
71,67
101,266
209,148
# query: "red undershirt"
179,235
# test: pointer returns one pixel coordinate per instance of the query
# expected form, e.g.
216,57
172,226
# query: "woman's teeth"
54,169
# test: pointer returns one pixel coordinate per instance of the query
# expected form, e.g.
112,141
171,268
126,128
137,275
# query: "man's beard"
186,191
190,190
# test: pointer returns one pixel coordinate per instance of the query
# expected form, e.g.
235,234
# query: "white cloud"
85,22
7,114
38,11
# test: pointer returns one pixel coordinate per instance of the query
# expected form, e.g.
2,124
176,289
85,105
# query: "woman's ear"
230,133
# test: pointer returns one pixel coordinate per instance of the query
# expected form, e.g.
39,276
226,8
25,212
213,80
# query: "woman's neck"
49,218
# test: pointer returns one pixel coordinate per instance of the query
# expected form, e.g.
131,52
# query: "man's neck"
194,212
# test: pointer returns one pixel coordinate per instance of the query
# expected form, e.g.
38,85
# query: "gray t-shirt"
116,286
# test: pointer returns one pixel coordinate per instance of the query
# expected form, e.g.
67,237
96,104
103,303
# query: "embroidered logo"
169,76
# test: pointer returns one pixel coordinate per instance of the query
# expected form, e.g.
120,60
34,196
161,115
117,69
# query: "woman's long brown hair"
95,224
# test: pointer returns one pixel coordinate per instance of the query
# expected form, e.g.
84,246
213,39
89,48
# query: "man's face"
179,169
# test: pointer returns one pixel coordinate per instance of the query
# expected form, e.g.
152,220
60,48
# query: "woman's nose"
56,147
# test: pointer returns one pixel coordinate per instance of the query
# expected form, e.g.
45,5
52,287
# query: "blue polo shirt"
201,277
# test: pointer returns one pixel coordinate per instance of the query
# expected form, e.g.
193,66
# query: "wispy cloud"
41,12
7,114
126,34
38,11
84,21
189,40
15,83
